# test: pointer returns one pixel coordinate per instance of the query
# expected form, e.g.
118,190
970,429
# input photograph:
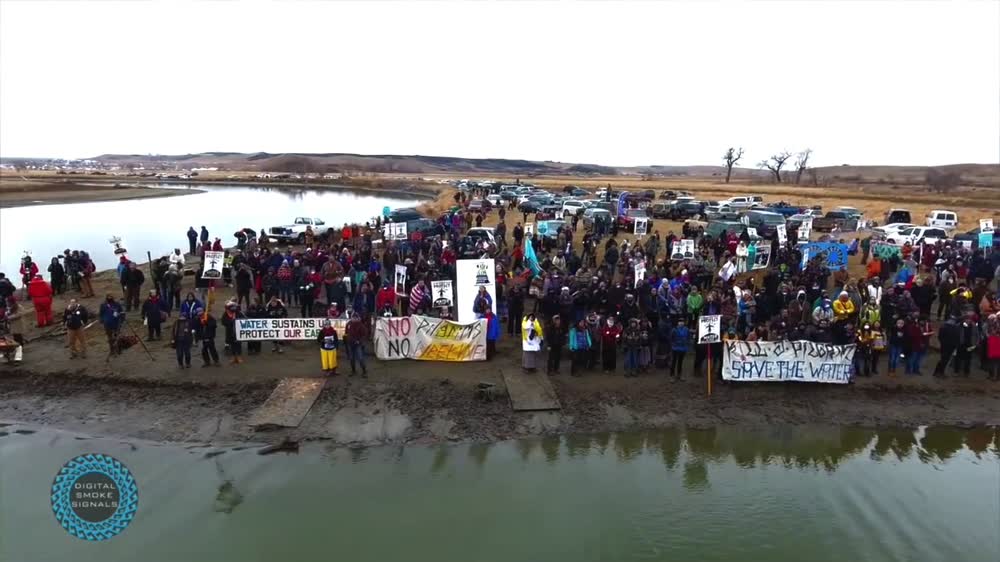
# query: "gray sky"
609,83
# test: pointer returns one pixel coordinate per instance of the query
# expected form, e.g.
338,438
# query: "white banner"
470,275
394,231
796,361
263,329
429,339
640,273
442,293
529,228
709,328
212,265
782,234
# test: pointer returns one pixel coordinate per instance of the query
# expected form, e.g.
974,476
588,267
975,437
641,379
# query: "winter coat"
111,315
579,339
680,339
154,311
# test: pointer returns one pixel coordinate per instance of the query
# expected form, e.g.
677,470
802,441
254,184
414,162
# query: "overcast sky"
617,83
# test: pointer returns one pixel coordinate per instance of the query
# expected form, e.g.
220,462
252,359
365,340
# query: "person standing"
57,275
949,336
134,279
680,340
112,315
153,314
276,309
28,272
555,336
967,342
631,341
580,344
356,333
40,293
192,235
183,336
328,344
531,342
492,334
204,238
898,345
918,334
75,318
205,330
610,334
229,324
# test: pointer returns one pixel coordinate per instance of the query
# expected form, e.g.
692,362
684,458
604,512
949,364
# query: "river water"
780,494
159,225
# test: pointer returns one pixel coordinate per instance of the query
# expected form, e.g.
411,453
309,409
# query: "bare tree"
731,157
942,181
801,163
775,163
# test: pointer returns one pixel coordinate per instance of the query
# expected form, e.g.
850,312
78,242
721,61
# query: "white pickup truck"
743,202
296,232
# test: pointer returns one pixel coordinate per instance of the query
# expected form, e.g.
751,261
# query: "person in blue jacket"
190,304
580,344
680,340
492,333
112,315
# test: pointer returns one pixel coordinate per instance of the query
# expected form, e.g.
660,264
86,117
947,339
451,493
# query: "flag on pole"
530,258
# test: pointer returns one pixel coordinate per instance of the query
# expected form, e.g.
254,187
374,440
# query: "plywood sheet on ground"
530,391
288,404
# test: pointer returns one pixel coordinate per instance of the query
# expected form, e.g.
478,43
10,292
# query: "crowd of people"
575,291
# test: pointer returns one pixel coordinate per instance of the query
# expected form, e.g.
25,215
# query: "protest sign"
529,228
682,250
263,329
117,245
212,265
429,339
641,226
709,328
836,253
469,276
442,293
967,244
559,215
400,280
986,225
640,273
782,231
394,231
796,361
884,250
762,257
752,232
985,239
805,228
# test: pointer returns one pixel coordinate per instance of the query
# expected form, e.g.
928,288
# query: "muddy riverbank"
378,410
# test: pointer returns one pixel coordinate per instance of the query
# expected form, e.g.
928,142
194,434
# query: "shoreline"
35,192
357,412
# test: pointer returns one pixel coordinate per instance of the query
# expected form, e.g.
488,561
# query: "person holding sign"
531,342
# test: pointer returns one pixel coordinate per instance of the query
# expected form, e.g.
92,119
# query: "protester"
154,313
40,294
531,342
112,315
205,327
328,344
75,318
356,334
182,335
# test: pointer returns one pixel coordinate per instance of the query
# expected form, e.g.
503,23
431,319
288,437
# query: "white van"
942,219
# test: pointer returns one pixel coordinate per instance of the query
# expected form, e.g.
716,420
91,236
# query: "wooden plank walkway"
530,391
288,404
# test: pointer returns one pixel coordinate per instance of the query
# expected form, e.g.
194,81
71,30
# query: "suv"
572,207
893,216
917,234
686,209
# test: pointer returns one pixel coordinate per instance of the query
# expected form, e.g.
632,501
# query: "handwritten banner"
264,329
429,339
787,361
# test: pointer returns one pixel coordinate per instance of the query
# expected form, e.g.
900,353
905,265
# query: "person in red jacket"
386,297
41,295
28,272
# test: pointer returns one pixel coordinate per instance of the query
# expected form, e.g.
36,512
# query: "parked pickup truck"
783,208
296,232
840,220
